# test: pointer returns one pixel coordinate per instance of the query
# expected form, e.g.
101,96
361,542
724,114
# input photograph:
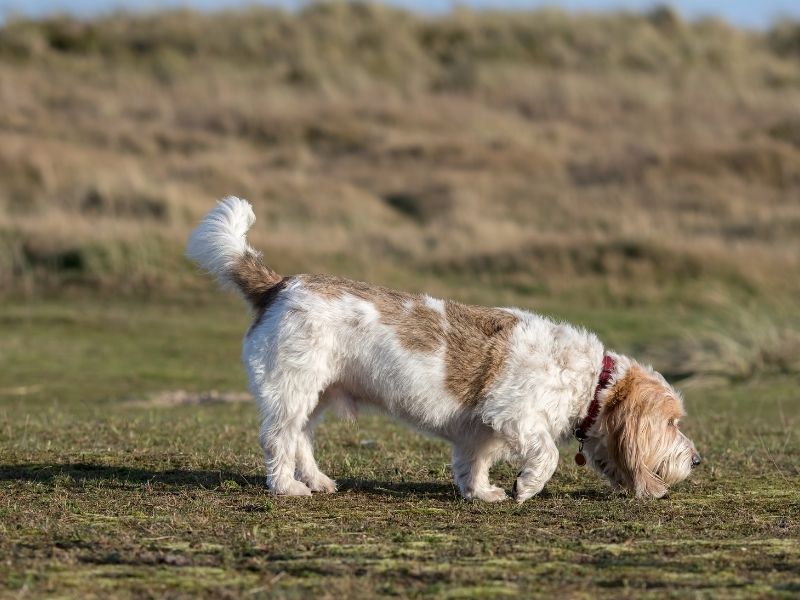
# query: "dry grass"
539,152
750,344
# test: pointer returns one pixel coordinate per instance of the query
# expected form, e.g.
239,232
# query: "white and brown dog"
495,382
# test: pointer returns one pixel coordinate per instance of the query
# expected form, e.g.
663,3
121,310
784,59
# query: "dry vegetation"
539,151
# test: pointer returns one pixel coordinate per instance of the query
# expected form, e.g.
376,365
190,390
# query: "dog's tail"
219,246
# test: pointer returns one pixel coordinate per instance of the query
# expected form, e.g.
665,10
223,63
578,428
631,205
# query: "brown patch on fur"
254,278
476,338
477,347
419,327
422,328
333,287
259,284
635,414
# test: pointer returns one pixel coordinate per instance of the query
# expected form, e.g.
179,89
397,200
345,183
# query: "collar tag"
580,459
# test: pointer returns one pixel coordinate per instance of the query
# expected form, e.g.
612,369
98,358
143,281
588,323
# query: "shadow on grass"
83,473
87,472
439,491
120,476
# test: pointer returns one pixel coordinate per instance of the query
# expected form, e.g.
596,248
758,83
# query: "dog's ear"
631,425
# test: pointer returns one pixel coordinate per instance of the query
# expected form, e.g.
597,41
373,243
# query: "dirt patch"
183,397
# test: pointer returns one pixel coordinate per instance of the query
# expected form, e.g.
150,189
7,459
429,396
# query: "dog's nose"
695,459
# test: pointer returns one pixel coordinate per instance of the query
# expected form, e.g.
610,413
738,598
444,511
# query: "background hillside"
636,156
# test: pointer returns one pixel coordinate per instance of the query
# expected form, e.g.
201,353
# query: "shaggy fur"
495,382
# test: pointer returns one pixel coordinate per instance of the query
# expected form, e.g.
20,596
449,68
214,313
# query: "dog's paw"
293,488
322,483
491,494
523,490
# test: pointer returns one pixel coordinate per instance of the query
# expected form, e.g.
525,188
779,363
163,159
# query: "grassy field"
110,485
636,174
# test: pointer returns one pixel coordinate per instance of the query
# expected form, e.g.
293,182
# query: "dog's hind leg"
471,463
307,470
279,437
288,407
287,368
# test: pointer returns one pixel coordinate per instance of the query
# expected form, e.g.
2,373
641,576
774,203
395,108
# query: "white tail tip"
218,243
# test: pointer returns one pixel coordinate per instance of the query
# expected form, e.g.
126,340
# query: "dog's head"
637,443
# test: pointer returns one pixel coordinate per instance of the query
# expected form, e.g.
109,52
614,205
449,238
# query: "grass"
106,491
633,173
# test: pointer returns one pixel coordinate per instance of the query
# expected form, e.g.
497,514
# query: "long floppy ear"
630,429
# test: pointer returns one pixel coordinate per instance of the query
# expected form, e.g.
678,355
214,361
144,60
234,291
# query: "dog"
497,383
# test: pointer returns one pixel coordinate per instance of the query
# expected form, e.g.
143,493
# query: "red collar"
594,408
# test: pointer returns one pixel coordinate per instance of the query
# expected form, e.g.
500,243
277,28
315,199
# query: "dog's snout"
696,460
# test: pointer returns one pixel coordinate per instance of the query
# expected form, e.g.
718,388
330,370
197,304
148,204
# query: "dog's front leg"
471,462
540,458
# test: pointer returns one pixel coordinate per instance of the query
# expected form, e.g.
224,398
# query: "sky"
745,13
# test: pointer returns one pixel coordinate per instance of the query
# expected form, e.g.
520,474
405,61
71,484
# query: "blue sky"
747,13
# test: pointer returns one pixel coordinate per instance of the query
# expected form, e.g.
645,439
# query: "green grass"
104,493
